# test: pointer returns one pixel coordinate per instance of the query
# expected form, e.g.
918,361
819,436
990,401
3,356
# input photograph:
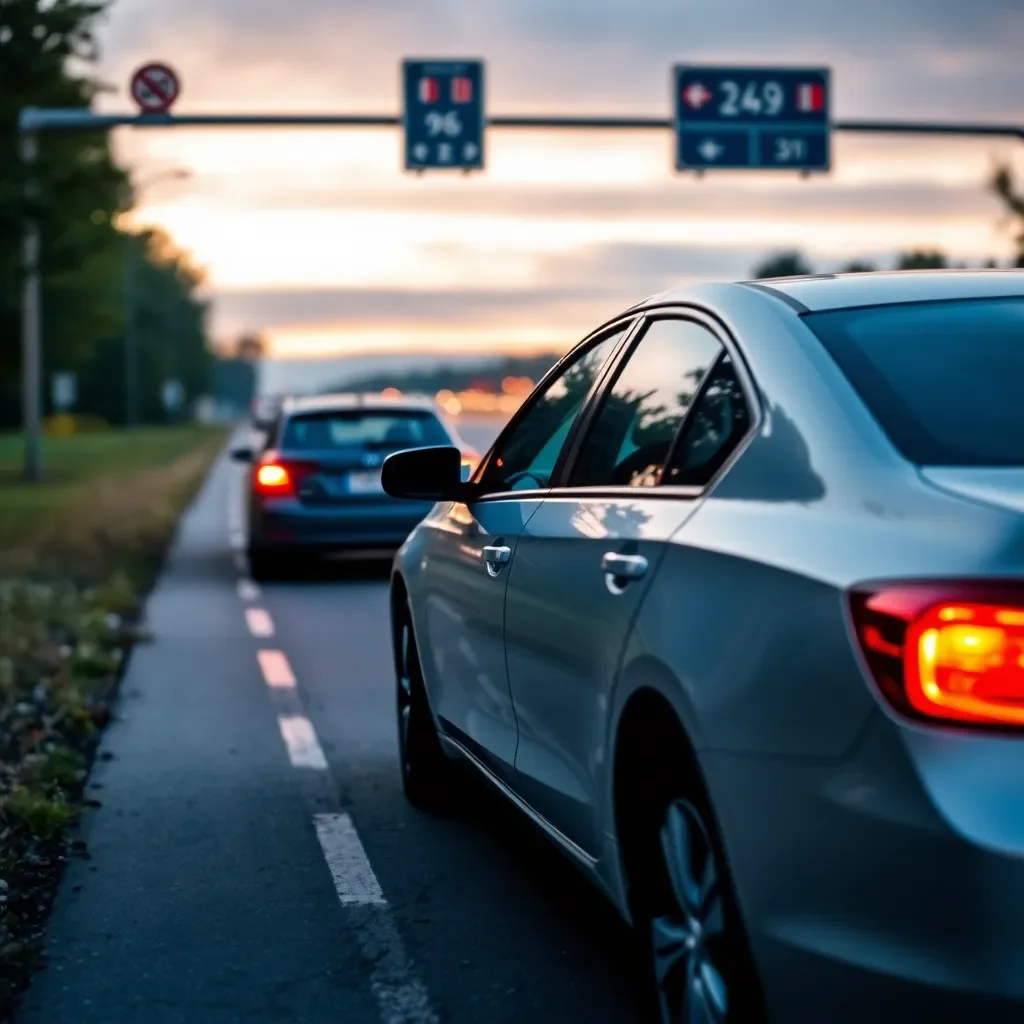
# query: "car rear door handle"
622,568
495,556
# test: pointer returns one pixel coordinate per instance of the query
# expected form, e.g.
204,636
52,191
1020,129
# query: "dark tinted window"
631,436
350,429
527,456
717,423
942,378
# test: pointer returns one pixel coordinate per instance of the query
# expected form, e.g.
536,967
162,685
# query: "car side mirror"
242,454
426,474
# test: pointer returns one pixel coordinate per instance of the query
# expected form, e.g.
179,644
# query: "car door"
470,551
583,563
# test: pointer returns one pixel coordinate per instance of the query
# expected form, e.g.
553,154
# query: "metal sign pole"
34,120
31,317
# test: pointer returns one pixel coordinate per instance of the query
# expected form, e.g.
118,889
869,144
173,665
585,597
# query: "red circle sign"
154,88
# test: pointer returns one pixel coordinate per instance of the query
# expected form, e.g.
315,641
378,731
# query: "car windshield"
942,378
364,430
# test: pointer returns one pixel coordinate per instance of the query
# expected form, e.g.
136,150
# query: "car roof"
345,401
817,292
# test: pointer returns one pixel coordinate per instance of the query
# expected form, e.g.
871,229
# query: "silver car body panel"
865,848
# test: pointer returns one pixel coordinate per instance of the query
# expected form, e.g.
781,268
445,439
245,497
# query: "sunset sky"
321,241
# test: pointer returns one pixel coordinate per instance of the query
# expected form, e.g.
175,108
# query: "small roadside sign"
173,394
752,118
443,114
64,391
154,88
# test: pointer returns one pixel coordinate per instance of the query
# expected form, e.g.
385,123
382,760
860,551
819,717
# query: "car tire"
696,954
265,566
427,772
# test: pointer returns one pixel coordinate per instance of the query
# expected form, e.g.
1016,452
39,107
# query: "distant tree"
922,259
783,264
1004,185
250,348
857,267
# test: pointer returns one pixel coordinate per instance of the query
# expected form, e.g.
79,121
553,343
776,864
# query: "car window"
632,434
527,455
941,378
717,423
362,430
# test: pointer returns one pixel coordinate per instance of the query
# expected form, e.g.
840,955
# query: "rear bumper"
867,894
288,524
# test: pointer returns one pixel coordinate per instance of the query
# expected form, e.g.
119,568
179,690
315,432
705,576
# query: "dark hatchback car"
315,487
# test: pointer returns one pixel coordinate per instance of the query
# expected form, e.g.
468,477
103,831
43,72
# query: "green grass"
73,464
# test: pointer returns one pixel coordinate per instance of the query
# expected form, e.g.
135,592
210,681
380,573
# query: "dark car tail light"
949,653
279,478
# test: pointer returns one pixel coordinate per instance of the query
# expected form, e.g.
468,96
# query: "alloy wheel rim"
405,694
687,940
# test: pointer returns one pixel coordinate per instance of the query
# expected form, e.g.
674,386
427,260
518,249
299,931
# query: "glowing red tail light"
276,477
946,652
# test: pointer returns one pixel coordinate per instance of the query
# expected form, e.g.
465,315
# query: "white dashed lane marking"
259,622
401,996
276,670
354,880
300,739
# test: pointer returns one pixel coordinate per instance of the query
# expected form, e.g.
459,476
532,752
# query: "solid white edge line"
259,622
300,738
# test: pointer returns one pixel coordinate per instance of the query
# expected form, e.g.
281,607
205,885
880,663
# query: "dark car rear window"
356,429
944,379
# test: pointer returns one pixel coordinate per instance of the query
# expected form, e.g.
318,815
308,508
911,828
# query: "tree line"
93,271
1002,184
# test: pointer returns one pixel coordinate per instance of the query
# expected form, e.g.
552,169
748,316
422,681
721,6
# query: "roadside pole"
31,316
131,347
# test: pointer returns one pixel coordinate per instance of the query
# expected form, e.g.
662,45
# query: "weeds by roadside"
71,596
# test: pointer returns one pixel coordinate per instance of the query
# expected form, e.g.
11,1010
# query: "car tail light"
276,477
951,653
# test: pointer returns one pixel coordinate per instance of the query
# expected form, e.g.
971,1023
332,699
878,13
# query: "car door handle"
497,554
624,567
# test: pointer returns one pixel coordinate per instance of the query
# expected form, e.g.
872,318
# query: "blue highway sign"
728,118
443,114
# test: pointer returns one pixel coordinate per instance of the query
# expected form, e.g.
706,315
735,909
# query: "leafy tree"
1003,184
922,259
80,189
857,267
783,264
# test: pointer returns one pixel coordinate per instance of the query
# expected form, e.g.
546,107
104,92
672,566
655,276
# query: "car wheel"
426,770
698,955
265,566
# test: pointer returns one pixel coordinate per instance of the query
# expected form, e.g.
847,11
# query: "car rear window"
365,430
943,379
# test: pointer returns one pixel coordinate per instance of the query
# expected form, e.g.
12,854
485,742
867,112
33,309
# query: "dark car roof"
369,402
817,292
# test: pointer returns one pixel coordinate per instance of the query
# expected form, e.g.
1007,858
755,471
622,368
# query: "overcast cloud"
926,59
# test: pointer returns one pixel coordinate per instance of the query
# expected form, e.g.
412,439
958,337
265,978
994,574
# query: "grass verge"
78,554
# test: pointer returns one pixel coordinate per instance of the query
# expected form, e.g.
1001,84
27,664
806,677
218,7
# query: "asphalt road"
254,859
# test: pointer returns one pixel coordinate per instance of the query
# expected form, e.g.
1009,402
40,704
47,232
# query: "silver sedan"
733,610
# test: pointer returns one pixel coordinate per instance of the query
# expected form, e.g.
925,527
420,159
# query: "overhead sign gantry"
745,117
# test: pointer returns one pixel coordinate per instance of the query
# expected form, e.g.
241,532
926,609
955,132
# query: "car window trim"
673,448
667,492
638,336
602,333
730,346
